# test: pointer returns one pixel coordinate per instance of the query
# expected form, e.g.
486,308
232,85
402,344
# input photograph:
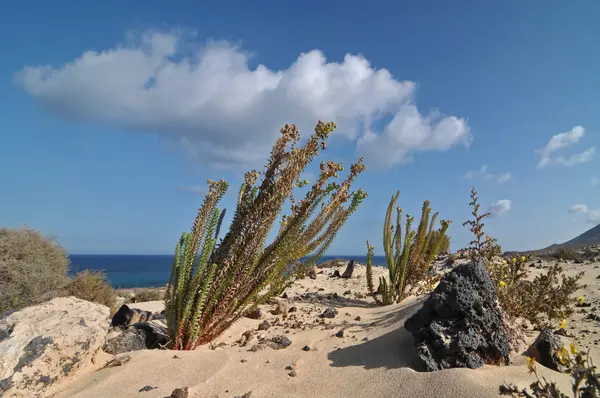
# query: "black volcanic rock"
460,324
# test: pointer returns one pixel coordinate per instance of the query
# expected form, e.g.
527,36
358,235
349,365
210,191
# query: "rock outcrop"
545,349
46,342
460,324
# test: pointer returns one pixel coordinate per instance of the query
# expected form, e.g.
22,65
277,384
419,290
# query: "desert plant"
565,254
210,291
586,383
480,247
543,301
444,245
409,260
150,294
31,265
91,286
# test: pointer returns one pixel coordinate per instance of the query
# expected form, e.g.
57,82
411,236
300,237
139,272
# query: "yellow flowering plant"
579,365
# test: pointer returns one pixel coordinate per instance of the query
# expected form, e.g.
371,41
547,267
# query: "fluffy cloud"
594,181
580,208
483,173
593,217
564,140
499,207
225,112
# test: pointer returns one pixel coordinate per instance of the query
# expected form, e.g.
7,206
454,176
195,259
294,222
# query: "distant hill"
588,238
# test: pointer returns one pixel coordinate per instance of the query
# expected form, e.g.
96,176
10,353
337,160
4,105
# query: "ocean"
126,271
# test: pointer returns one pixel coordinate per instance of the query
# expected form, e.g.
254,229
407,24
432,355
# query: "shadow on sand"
392,350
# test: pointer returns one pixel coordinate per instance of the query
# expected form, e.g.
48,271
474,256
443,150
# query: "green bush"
91,286
212,284
408,256
31,265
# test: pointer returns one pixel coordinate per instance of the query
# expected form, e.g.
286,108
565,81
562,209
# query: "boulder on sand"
460,324
49,341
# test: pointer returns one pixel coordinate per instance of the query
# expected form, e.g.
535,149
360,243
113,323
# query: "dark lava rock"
349,270
330,312
306,348
139,337
254,314
179,393
460,325
279,342
545,348
340,334
122,317
264,325
593,317
147,388
126,316
336,274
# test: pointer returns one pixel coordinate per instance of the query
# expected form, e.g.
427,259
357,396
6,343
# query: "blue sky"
114,114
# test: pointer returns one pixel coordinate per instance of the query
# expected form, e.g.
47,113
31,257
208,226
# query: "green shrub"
31,265
92,286
206,296
409,259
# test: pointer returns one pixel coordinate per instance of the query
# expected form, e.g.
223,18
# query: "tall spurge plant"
242,269
408,256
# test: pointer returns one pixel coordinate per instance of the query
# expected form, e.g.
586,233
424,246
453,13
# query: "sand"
375,358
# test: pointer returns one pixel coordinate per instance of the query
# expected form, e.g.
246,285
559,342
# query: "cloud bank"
500,207
564,140
483,174
227,113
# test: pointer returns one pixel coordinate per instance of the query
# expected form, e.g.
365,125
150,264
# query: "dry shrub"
566,254
542,300
31,265
143,295
92,286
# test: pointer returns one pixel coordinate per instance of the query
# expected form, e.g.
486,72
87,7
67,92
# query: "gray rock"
330,312
545,348
138,337
460,324
349,270
278,342
44,343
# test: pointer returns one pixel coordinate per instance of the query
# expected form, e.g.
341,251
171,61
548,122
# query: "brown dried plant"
205,296
480,247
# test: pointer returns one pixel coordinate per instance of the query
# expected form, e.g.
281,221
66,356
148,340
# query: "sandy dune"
374,358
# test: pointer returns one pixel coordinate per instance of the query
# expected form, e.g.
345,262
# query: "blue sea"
134,270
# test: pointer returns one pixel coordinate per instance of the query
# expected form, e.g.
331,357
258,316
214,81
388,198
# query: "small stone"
292,373
365,339
264,325
243,361
293,309
306,348
179,393
146,388
330,312
254,314
279,342
347,292
357,318
340,334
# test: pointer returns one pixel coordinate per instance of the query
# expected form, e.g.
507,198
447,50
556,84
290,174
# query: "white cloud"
499,207
593,217
564,140
486,176
580,208
594,181
226,113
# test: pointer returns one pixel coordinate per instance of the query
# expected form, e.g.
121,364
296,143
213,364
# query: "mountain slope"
588,238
